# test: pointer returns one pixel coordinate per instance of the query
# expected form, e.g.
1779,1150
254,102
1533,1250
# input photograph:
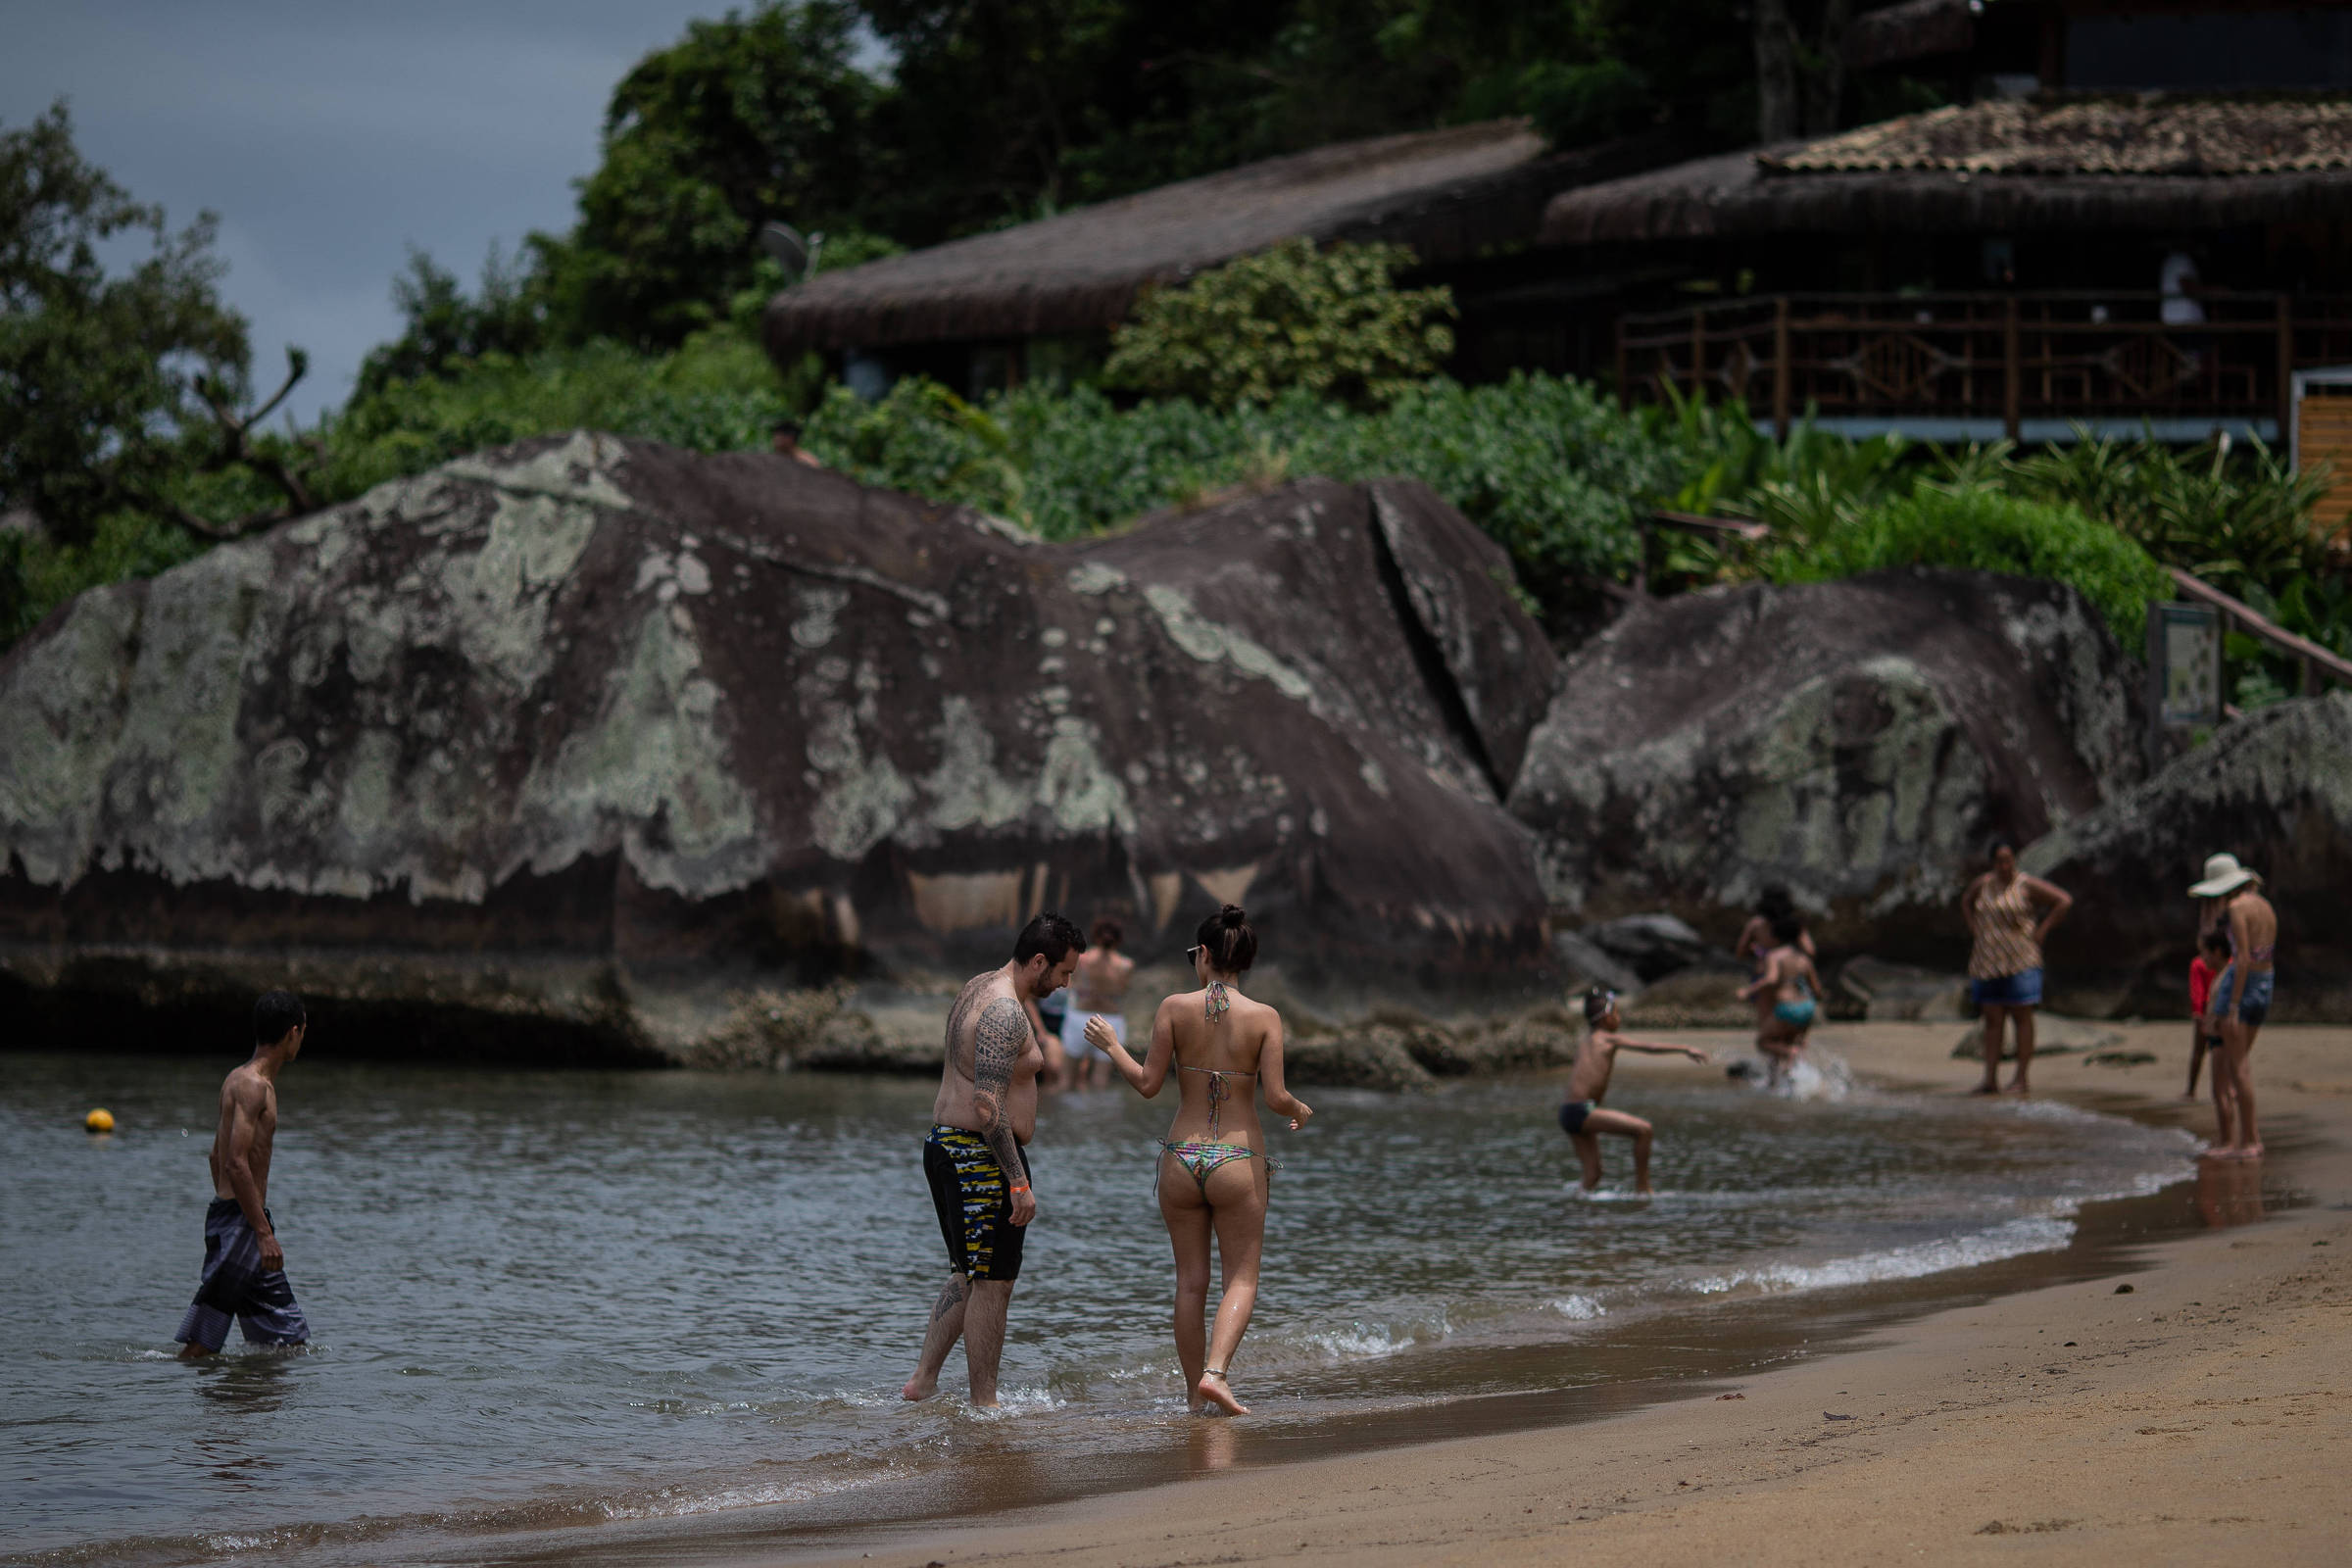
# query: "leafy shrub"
1548,468
37,574
1330,323
1981,527
2236,515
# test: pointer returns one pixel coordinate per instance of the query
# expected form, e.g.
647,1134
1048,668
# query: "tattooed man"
987,1110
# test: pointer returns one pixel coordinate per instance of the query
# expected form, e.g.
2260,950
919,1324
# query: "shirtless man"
973,1158
1097,990
1581,1115
244,1267
1791,983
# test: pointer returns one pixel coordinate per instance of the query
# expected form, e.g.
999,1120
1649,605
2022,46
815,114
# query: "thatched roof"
2146,162
2094,136
1448,194
1915,30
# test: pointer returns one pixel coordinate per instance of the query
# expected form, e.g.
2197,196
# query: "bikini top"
1219,1091
2266,953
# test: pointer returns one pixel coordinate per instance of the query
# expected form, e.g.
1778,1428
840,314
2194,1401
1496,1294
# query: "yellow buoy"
99,1121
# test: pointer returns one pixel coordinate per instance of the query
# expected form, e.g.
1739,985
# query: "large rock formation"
1857,741
551,748
2274,789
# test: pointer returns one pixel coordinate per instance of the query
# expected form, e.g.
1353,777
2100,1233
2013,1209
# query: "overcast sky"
330,136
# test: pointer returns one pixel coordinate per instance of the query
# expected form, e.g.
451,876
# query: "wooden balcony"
1978,366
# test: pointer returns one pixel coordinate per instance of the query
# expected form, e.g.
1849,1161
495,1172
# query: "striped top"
2002,919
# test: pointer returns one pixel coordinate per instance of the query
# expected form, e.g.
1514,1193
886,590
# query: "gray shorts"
235,1285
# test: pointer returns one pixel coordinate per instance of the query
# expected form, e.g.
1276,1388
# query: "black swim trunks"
975,1207
1573,1114
235,1285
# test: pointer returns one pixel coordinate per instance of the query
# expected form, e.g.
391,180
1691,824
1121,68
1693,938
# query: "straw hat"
2222,875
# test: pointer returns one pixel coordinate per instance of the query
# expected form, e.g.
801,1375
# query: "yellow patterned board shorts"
974,1204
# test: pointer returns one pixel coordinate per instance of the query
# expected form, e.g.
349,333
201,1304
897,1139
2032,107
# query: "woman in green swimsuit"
1222,1048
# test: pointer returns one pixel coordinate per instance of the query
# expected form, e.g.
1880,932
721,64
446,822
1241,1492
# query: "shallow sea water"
550,1301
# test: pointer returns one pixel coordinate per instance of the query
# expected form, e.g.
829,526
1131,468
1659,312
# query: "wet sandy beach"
2201,1416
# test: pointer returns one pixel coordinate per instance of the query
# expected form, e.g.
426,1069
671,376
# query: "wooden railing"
2014,358
2313,660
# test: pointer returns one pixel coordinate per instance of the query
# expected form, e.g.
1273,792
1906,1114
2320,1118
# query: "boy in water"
1581,1115
1794,983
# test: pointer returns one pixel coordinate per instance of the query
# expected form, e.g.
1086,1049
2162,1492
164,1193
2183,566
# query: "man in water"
244,1267
973,1158
1792,983
1581,1115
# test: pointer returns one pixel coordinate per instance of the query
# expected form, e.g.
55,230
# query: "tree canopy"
99,373
888,124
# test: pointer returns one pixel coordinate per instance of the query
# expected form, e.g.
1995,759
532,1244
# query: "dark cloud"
331,137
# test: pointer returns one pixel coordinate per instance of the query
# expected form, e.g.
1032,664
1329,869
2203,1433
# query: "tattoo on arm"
998,1042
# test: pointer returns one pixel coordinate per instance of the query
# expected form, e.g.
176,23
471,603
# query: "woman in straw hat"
2004,960
2241,999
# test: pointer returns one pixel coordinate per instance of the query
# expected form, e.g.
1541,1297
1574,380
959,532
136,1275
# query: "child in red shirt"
2204,970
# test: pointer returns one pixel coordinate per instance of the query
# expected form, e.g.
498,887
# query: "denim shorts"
2020,990
2257,1004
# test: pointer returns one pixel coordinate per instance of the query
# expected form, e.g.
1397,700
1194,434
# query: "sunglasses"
1194,952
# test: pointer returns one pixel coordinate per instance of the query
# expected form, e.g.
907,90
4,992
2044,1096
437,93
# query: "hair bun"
1233,916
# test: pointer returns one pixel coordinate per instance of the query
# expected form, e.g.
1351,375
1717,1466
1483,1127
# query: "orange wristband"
1024,1187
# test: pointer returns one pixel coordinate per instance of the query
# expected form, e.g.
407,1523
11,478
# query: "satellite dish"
784,243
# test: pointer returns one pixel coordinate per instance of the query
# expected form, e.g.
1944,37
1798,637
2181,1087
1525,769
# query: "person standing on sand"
1097,990
244,1266
1581,1115
973,1156
1214,1170
2004,960
2242,994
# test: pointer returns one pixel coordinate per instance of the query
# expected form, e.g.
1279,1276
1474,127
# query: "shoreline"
2193,1413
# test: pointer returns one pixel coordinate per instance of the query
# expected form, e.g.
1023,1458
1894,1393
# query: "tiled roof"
2150,135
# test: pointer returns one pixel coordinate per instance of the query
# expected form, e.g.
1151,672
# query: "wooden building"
1042,298
2139,218
2009,267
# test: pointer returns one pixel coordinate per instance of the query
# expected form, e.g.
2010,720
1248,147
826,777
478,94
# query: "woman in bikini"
1213,1168
2241,996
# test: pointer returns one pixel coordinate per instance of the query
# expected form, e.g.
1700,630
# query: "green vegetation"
1978,526
101,377
1332,323
127,424
1548,466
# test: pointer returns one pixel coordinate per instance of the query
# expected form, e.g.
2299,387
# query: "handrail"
1748,528
2255,624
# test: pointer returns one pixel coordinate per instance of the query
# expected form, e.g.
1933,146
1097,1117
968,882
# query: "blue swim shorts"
2257,1006
235,1285
2020,990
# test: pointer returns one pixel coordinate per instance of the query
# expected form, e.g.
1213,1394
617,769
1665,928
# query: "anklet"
1213,1372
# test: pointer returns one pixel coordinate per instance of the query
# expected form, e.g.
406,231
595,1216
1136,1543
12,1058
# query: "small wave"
1580,1308
685,1501
2013,1238
1820,1076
